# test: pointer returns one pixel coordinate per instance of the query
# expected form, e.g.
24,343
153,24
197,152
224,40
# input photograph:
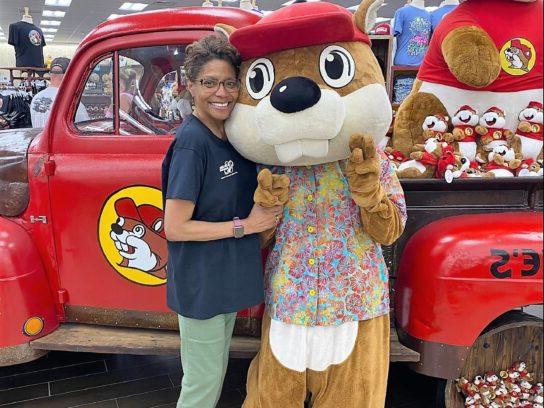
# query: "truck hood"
14,191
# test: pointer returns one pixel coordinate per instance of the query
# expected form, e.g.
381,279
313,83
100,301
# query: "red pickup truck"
83,251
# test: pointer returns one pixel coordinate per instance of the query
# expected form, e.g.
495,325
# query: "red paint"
446,292
24,288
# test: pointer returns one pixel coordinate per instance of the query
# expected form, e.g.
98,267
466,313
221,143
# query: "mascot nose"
117,229
295,94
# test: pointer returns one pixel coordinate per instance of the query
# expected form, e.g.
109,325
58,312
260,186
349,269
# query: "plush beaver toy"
483,54
313,96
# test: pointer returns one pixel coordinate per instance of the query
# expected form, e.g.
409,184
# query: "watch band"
238,228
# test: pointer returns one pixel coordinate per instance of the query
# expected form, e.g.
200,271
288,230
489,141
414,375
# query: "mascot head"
309,81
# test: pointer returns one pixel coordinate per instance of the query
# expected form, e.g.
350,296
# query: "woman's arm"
180,227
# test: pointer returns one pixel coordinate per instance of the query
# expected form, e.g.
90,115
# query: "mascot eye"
337,66
260,78
138,230
120,221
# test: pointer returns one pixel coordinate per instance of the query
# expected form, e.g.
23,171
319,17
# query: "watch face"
238,231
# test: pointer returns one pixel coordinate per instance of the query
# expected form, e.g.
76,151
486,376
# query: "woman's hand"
261,219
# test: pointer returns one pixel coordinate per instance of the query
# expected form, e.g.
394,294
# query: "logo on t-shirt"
42,105
227,169
518,56
35,38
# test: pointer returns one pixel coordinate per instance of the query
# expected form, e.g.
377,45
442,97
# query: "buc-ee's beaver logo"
518,56
131,234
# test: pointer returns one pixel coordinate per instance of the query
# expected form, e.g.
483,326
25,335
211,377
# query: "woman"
126,80
214,264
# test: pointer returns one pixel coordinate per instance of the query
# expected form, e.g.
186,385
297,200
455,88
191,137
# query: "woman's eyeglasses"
231,85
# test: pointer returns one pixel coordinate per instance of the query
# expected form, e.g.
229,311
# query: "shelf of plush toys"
470,145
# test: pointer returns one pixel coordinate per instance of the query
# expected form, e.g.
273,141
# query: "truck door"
106,203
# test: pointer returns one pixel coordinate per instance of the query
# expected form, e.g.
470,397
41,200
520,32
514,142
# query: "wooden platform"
119,340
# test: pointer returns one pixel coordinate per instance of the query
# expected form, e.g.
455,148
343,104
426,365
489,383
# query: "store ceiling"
83,15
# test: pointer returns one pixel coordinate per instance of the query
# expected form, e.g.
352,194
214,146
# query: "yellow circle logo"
518,56
131,234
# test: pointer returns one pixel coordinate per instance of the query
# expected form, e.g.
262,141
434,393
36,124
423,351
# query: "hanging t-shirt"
28,41
412,28
40,108
519,43
439,13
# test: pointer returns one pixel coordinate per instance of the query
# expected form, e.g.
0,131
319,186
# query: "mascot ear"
366,14
224,30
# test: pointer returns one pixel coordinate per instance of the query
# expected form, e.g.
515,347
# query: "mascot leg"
407,130
361,380
271,384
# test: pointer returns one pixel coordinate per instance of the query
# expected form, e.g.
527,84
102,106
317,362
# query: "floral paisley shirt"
324,269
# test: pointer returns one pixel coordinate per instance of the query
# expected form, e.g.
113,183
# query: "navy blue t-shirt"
219,276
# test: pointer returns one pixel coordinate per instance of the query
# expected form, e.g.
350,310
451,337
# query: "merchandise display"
412,29
28,41
514,387
445,7
502,90
401,87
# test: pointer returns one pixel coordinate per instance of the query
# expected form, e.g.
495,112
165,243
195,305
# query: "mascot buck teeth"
312,108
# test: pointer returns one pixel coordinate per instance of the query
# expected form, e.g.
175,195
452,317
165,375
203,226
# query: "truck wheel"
515,336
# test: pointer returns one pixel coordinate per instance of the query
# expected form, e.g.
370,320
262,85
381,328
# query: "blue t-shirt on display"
412,28
207,278
439,13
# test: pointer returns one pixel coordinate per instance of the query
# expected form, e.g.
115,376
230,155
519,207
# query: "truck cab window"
151,90
97,98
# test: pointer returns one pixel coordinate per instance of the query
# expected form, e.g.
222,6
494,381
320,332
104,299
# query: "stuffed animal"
529,131
502,162
465,121
492,132
313,106
484,53
430,161
530,168
436,126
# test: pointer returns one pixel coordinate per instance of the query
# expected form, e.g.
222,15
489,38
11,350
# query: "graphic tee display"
412,28
28,41
40,108
439,13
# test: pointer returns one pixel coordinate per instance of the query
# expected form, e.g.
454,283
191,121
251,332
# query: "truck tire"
514,336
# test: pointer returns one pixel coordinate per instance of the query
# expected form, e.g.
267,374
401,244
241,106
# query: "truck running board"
121,340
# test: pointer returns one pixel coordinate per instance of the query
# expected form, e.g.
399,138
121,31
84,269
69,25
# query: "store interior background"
81,16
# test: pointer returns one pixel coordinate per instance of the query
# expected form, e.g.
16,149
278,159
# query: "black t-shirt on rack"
28,41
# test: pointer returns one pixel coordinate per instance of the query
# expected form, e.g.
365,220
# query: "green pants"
204,358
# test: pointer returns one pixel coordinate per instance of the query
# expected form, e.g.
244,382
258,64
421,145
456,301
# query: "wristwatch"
238,228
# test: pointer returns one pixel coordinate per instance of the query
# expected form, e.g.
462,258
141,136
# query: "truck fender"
457,275
27,309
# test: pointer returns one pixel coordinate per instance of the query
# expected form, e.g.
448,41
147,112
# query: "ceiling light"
51,13
50,23
115,16
50,30
133,6
58,3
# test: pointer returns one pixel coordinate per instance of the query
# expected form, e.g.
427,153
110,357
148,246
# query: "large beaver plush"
313,96
483,54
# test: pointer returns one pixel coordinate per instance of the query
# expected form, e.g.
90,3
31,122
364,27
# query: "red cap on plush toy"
467,108
496,110
535,105
296,26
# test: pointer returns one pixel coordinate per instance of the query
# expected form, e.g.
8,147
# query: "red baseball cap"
144,213
295,26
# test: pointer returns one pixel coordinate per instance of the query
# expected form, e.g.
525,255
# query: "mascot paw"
524,126
363,160
272,189
480,130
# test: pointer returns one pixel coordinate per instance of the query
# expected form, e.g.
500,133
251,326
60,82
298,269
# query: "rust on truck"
14,192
